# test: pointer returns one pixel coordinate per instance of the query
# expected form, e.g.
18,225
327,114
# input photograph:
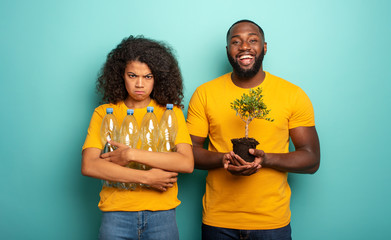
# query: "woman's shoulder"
115,106
178,109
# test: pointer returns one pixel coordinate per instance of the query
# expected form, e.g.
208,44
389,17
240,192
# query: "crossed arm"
305,158
111,166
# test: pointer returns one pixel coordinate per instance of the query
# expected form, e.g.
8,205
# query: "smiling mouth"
246,59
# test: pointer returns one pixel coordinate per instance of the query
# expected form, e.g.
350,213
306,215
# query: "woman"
138,73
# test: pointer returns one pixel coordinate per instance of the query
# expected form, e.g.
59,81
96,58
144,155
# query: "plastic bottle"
109,131
129,135
149,134
168,129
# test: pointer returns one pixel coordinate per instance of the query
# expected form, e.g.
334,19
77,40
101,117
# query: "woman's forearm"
179,161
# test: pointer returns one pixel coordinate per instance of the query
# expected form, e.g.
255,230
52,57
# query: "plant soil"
241,147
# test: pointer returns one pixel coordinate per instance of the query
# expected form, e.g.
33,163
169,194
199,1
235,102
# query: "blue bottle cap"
130,111
109,110
149,109
170,106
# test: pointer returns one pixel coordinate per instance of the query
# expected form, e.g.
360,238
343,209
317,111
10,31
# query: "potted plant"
248,107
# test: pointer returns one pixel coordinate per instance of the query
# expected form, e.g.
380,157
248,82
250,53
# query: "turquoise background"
50,54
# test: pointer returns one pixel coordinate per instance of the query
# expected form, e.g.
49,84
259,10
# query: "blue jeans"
139,225
216,233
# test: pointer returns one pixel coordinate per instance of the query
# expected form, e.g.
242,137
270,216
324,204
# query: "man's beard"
246,74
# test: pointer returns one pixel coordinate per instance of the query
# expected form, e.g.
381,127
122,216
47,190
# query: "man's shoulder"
216,82
281,82
278,79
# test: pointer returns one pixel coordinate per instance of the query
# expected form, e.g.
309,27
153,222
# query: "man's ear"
265,48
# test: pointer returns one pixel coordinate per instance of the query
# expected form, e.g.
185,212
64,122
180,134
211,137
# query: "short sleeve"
197,121
93,134
183,133
302,111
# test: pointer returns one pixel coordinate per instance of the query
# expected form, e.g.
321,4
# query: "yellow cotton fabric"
113,199
259,201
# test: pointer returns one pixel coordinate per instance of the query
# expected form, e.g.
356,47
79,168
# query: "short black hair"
249,21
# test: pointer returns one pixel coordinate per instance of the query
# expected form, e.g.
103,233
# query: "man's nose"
245,46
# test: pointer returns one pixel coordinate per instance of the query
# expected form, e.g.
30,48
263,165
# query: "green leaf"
251,106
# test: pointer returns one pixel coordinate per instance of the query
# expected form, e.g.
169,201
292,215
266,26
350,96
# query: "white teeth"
246,56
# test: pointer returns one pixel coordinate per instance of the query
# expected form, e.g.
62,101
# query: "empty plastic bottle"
149,133
129,135
109,131
168,129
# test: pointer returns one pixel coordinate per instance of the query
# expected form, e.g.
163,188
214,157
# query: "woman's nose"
139,82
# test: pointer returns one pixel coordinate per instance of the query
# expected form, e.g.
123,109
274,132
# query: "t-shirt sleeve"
197,120
93,134
302,111
183,133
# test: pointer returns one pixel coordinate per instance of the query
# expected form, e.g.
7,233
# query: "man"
250,200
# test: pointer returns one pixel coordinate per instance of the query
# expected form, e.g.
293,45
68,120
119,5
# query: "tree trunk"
246,132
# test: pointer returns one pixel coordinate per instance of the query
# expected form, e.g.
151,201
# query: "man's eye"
235,42
253,41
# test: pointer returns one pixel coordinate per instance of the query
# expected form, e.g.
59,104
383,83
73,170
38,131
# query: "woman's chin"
138,98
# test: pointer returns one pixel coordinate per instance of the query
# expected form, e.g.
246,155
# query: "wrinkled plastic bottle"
109,131
168,129
129,135
149,133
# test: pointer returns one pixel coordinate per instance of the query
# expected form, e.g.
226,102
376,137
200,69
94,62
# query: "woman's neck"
132,103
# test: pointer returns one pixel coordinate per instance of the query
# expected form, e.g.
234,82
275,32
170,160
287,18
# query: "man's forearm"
297,162
305,159
204,159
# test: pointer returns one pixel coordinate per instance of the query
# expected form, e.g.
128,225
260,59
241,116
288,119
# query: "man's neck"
248,82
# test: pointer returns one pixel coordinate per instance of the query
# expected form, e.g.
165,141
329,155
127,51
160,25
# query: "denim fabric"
216,233
139,225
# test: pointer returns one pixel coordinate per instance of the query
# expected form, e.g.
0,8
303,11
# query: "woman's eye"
132,75
149,77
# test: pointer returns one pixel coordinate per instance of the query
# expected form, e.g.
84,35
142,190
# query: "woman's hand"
159,179
121,155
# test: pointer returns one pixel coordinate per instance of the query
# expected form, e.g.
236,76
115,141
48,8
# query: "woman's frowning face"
139,81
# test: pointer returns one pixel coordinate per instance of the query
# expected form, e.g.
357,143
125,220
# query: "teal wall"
50,53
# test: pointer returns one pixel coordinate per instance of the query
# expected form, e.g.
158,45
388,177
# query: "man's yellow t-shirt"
113,199
259,201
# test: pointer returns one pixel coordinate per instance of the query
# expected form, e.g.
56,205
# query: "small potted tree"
248,107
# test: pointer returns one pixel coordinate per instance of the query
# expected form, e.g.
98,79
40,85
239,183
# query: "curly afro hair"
168,86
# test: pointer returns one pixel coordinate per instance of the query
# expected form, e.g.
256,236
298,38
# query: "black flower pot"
241,147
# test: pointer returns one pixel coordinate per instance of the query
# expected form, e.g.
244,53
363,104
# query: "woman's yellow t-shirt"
113,199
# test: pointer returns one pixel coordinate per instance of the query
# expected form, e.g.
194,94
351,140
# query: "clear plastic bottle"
109,131
168,129
149,134
129,135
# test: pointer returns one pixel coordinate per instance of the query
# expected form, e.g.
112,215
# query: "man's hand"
119,156
159,179
237,166
259,155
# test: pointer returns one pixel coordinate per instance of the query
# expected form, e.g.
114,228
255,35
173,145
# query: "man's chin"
246,74
245,71
247,68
